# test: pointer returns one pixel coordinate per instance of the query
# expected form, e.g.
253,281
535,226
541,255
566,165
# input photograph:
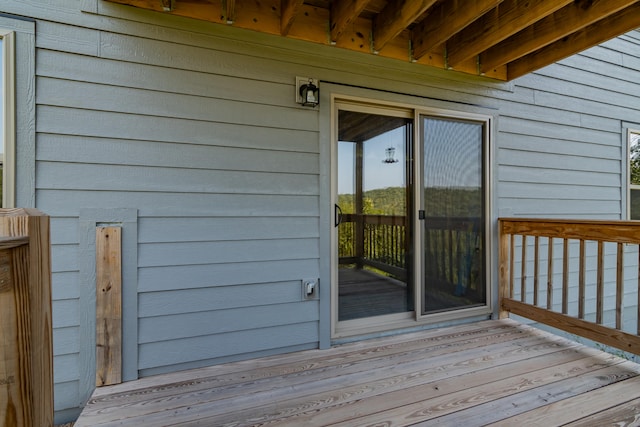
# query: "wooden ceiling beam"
229,10
446,20
288,11
510,17
619,23
344,13
396,17
567,20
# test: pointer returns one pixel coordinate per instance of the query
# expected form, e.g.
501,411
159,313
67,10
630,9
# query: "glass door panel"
372,215
454,214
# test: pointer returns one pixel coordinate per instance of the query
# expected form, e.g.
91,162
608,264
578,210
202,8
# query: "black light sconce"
307,92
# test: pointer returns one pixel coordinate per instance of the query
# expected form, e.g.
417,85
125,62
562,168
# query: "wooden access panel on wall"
108,306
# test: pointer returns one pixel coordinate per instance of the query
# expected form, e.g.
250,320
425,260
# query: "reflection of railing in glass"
452,250
383,244
453,259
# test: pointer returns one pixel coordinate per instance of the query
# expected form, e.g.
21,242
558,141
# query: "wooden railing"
375,240
591,268
380,241
26,344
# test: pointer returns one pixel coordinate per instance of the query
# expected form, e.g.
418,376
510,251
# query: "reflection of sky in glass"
376,173
452,154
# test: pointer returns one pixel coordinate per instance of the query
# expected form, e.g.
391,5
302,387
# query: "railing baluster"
581,281
536,270
600,284
550,275
450,277
443,253
604,234
503,265
512,255
619,285
523,275
565,276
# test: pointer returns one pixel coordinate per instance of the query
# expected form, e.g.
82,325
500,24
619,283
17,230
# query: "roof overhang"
503,39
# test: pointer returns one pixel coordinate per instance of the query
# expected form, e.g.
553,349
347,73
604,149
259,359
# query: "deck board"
489,372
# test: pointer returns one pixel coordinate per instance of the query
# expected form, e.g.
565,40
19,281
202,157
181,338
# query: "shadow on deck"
492,372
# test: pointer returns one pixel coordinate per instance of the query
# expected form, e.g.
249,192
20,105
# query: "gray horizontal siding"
218,298
164,328
164,230
68,121
66,340
524,175
165,353
181,204
85,176
259,158
190,253
66,396
167,278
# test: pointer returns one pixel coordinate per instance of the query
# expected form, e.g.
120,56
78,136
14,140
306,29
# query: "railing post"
503,266
26,350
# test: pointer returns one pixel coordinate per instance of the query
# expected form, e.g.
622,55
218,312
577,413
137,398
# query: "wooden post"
565,276
550,275
108,306
600,284
504,250
26,350
523,273
359,205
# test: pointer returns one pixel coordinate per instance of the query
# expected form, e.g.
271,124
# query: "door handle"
337,213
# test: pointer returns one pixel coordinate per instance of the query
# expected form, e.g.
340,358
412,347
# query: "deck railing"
375,240
589,279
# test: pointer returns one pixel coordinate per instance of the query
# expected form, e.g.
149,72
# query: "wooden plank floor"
488,373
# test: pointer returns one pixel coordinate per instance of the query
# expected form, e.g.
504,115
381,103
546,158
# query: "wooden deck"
487,373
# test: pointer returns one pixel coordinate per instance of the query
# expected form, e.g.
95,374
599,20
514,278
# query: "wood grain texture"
26,350
606,290
593,331
108,305
464,375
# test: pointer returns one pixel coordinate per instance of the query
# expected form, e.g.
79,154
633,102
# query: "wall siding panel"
181,204
218,298
128,127
209,347
163,154
194,127
166,230
166,278
165,328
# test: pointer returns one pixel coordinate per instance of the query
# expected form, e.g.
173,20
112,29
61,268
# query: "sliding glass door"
372,214
410,215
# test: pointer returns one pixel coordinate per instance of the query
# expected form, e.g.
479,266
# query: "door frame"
332,331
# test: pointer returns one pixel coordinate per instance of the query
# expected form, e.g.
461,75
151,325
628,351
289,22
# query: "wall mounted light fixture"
307,92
